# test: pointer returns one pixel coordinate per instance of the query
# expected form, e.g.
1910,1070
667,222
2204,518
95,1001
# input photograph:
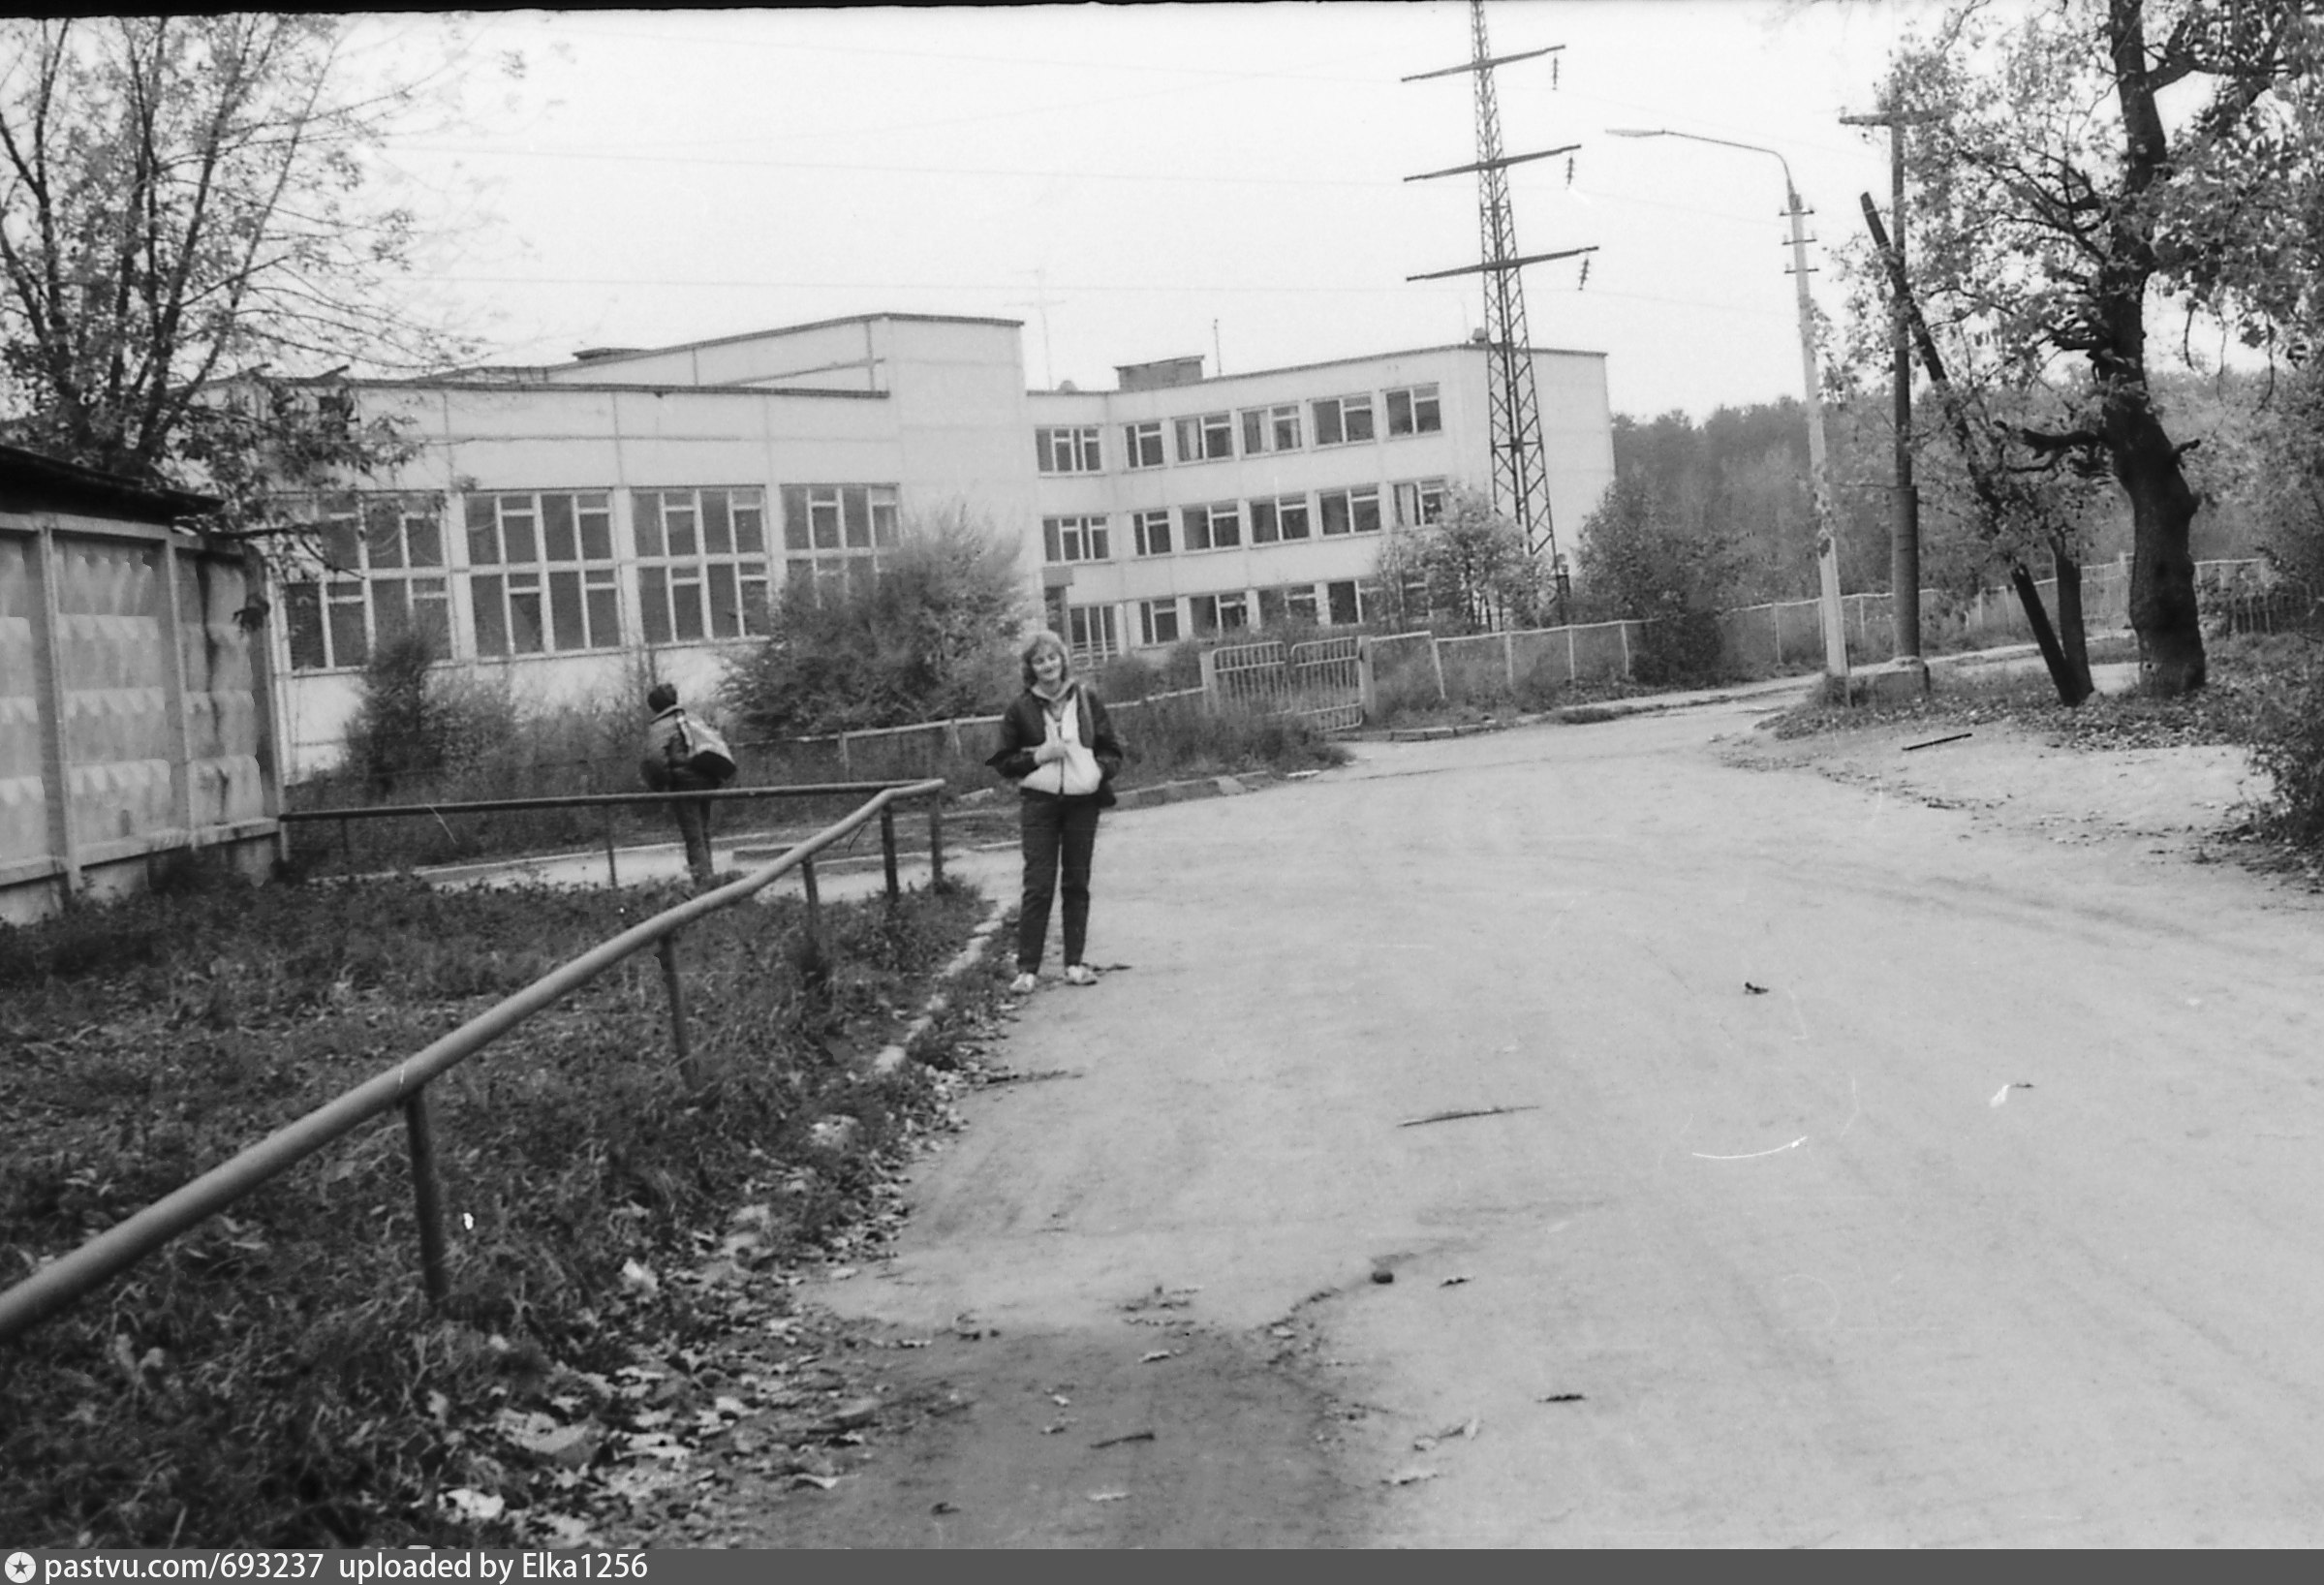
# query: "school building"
575,528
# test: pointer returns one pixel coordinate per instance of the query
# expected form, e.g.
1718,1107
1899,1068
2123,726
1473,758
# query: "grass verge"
275,1377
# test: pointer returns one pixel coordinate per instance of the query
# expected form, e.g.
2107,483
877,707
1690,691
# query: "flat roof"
1301,368
608,357
458,382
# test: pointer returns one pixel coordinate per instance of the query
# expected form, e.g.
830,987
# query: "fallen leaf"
1107,1496
1560,1398
1409,1477
1452,1281
1061,1400
475,1506
820,1482
1424,1445
945,1507
1152,1355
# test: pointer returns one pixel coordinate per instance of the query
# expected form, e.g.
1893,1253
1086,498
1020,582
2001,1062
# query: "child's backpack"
697,746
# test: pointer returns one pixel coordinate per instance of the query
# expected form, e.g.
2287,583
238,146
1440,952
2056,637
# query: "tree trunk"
2073,635
2162,566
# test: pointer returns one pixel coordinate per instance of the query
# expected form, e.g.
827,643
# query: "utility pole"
1904,545
1520,467
1819,480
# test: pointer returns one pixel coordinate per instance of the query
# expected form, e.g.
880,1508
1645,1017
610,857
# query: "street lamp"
1827,550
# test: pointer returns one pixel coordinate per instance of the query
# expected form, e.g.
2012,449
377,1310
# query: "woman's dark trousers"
1055,829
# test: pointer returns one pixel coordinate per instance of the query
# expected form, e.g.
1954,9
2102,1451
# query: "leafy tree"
1642,561
190,233
2084,162
930,637
1469,571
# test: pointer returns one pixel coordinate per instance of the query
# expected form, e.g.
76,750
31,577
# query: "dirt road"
1844,1171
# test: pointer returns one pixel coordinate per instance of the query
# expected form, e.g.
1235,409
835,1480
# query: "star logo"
21,1567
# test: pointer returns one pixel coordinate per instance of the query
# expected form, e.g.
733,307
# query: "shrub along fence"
404,1088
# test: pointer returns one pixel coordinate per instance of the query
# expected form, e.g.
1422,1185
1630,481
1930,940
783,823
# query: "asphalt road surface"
1844,1171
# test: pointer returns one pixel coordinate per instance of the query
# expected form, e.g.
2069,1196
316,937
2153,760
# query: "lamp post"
1827,550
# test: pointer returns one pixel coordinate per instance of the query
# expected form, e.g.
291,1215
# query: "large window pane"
726,604
558,538
718,528
646,506
491,615
302,610
565,610
653,599
525,634
604,616
686,603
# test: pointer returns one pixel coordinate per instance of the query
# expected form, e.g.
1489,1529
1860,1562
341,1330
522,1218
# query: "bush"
2287,744
931,637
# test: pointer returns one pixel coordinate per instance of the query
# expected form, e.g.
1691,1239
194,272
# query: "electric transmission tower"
1520,470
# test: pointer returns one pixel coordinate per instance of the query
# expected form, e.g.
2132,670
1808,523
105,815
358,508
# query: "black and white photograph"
1321,774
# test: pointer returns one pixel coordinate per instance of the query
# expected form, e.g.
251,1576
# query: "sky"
1137,182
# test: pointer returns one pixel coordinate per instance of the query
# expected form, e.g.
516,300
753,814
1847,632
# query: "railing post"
428,1203
667,950
936,839
887,848
612,873
815,902
347,853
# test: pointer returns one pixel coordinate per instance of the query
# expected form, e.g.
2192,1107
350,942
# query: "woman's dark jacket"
1024,727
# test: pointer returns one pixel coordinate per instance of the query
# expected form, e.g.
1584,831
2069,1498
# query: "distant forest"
1739,479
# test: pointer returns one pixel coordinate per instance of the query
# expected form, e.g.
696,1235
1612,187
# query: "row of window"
1211,437
543,574
1095,631
1222,525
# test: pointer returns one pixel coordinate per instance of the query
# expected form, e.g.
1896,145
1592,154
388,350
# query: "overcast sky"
1137,182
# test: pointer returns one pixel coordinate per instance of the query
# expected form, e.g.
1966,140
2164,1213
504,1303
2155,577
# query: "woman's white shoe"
1080,973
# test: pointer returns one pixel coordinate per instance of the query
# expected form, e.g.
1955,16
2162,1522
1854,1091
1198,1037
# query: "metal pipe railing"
71,1276
610,801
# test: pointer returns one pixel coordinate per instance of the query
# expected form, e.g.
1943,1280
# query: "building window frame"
1281,519
1343,420
1158,621
1420,502
833,537
1142,445
705,563
542,578
1227,611
1150,531
1213,525
1271,428
380,568
1077,537
1354,510
1069,449
1205,437
1414,409
1092,634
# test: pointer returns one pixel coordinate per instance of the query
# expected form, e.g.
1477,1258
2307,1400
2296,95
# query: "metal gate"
1319,681
1327,684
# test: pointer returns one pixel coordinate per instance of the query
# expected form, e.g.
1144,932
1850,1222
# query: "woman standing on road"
1057,746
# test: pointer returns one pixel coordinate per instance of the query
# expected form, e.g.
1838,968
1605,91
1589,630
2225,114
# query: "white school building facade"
571,529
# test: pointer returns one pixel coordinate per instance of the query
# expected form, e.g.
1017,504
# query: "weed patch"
276,1377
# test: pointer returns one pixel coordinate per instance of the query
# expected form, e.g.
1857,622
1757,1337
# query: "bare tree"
188,206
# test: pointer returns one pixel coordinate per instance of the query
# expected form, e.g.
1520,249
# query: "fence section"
133,720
